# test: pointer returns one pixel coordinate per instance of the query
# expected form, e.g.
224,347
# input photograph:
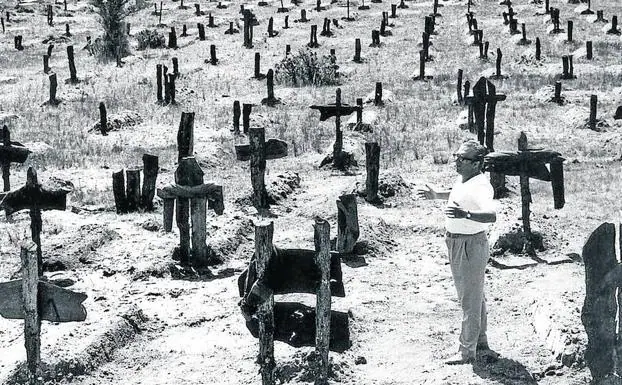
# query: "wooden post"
588,49
175,66
359,112
271,32
118,189
323,299
46,64
357,50
103,119
32,321
2,22
212,53
168,209
236,117
185,147
256,138
593,106
159,82
538,49
150,171
525,197
557,97
258,74
498,64
185,136
313,37
6,171
132,190
599,308
263,251
286,22
569,30
394,11
72,65
378,95
246,116
210,21
338,146
459,87
172,39
557,182
372,165
36,223
347,223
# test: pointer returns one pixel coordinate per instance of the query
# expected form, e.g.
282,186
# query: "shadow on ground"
502,370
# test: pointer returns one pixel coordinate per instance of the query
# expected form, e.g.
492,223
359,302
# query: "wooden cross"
35,197
530,163
281,271
189,186
33,300
337,110
258,151
10,152
482,106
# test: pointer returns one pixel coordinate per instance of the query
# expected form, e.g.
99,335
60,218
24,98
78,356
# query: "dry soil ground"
150,322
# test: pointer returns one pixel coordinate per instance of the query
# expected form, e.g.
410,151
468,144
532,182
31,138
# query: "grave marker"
10,152
422,76
34,300
600,308
73,78
258,151
18,43
321,327
614,30
372,166
270,100
339,157
357,51
313,38
35,197
128,196
530,163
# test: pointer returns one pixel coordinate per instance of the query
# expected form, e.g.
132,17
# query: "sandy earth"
404,314
150,322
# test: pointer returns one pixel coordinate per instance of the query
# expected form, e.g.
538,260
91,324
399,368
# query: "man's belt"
458,235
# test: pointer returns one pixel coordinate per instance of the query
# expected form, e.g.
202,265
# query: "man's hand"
427,193
453,210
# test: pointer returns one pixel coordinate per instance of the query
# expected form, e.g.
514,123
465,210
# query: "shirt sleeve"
484,197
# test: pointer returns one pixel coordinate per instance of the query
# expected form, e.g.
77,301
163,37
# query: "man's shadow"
491,365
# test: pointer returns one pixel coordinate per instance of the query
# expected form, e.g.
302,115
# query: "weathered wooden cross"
35,197
33,300
10,152
190,190
482,107
339,158
258,151
530,163
280,271
193,197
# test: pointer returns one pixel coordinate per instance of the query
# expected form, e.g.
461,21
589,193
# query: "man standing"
469,209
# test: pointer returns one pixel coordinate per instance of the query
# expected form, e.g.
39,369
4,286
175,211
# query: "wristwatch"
468,215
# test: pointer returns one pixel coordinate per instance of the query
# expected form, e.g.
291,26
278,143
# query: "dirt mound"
119,121
99,351
514,242
304,367
79,246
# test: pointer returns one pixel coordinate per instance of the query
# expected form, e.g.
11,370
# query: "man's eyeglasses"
460,158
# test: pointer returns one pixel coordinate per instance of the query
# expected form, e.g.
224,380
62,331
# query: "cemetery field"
151,318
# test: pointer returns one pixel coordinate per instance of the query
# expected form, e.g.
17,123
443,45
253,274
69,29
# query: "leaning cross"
10,152
337,110
530,163
33,300
258,151
35,197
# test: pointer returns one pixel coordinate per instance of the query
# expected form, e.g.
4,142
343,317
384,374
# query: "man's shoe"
459,359
481,346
